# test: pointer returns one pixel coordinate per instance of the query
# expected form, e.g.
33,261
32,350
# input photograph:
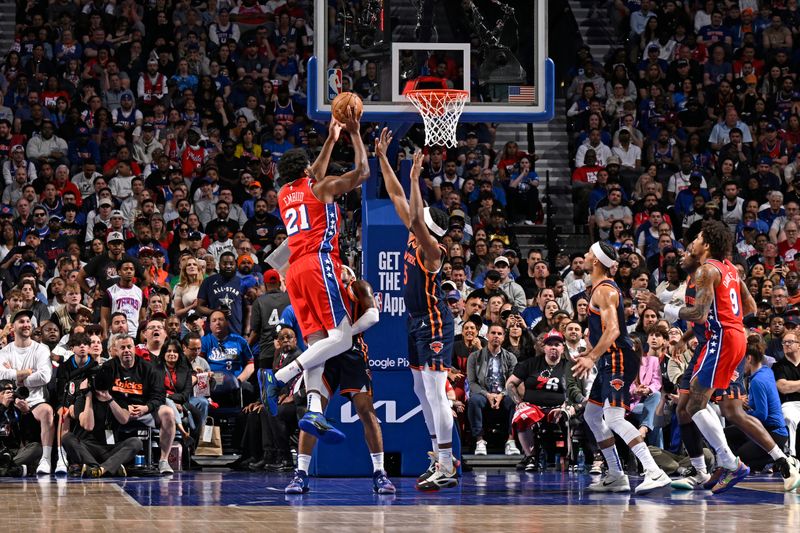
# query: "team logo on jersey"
436,347
617,384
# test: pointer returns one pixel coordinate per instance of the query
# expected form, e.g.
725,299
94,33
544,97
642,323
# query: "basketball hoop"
440,110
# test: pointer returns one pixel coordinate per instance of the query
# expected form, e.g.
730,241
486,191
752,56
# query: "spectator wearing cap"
774,147
104,267
267,310
540,381
767,180
512,289
82,147
487,372
146,145
126,115
254,190
17,159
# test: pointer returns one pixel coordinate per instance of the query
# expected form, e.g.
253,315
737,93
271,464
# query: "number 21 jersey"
312,226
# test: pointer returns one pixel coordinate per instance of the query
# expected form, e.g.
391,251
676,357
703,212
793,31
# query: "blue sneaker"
268,387
730,478
298,484
381,483
317,425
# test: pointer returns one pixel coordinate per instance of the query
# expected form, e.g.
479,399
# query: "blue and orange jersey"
596,323
312,226
423,293
699,328
726,309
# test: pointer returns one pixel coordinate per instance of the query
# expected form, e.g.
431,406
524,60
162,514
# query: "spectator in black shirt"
139,387
93,443
103,268
787,378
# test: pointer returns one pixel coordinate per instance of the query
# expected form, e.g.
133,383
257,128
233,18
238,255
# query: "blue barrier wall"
384,241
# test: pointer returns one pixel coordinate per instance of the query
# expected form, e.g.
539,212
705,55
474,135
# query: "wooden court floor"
492,502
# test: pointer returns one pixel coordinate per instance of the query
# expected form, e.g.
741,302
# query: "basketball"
342,102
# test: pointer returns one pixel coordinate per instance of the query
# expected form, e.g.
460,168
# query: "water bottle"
581,462
139,460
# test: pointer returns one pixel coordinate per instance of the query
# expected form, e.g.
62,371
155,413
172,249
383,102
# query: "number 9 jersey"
313,280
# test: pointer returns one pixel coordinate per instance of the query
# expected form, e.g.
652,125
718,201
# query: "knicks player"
431,328
349,373
617,368
721,300
313,281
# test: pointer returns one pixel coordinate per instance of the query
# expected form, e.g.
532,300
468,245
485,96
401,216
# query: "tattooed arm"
706,279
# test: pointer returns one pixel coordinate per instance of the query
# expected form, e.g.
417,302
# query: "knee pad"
593,416
615,418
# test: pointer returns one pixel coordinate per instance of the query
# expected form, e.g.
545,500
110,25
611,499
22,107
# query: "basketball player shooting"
617,368
431,328
313,281
721,301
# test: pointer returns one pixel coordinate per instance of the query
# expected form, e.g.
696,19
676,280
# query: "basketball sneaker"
440,479
652,481
480,447
317,425
715,475
511,448
431,468
381,483
298,484
691,480
268,387
611,483
729,478
788,467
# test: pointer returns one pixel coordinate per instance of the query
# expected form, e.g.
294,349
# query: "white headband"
435,229
601,256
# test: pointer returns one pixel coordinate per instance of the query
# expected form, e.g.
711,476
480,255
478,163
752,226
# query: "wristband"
671,313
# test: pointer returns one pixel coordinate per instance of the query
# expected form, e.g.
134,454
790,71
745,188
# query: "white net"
440,110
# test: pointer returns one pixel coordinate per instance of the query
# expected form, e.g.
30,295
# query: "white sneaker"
480,447
597,467
164,468
789,472
511,448
692,480
441,479
611,483
653,480
61,468
44,468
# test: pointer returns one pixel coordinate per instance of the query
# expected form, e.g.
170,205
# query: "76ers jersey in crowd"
726,310
312,226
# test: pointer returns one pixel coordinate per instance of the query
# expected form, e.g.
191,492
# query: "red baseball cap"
272,276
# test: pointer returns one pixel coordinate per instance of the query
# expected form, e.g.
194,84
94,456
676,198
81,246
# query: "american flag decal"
521,94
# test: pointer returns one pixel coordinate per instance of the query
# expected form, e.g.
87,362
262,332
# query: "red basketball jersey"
726,309
312,226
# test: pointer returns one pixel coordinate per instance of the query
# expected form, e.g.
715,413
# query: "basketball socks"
645,457
613,461
711,428
338,341
303,462
699,464
313,379
434,445
47,452
692,440
377,461
446,459
776,453
289,372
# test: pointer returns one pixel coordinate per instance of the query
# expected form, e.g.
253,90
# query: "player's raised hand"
352,122
334,129
416,168
382,143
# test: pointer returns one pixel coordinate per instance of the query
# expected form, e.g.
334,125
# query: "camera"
101,378
19,392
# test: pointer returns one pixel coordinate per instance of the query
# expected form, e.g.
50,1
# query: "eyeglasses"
788,342
40,215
